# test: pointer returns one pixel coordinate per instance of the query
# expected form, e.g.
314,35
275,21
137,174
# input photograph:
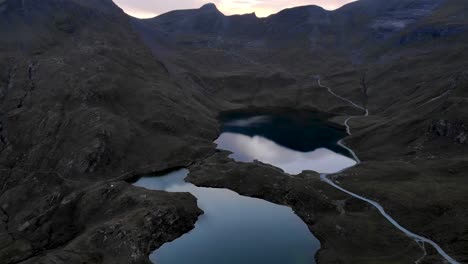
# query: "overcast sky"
151,8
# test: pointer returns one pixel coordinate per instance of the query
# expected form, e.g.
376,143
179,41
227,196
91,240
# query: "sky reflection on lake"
248,149
291,142
234,229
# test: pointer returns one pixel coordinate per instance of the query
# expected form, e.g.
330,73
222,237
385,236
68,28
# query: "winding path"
419,239
437,98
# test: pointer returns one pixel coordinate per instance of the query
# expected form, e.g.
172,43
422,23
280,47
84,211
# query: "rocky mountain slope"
72,123
90,97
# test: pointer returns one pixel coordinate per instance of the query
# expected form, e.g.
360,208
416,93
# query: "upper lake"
291,140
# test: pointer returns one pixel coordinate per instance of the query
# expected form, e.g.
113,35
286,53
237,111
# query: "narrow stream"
325,177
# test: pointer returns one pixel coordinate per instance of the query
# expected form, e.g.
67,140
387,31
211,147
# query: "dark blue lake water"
291,140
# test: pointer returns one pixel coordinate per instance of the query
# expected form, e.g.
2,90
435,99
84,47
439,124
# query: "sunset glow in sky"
263,8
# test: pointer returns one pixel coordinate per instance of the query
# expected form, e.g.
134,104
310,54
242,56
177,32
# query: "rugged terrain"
90,97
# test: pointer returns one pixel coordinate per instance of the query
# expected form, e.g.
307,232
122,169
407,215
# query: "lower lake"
237,229
234,229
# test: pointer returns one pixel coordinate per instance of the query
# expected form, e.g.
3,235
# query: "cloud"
150,8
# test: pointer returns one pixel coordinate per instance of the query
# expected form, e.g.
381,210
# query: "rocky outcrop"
111,222
397,19
455,130
428,33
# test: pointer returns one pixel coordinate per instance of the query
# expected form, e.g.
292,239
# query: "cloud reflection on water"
248,149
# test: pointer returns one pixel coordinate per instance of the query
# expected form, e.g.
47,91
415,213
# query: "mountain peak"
209,6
